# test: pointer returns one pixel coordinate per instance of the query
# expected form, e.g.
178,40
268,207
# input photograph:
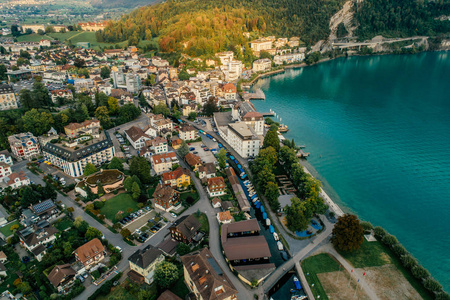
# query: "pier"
257,95
302,154
268,114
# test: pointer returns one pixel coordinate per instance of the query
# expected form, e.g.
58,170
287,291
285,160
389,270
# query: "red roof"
229,88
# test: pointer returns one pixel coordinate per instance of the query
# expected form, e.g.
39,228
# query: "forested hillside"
208,26
121,3
397,18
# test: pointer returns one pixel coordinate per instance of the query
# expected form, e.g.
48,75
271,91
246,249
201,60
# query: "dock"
302,154
257,95
268,114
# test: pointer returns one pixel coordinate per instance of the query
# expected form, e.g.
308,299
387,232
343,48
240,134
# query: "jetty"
302,154
257,95
268,114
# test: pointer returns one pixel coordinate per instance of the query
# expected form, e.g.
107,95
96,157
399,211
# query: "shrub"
442,296
14,227
98,204
379,231
389,240
399,249
367,226
432,285
408,261
420,272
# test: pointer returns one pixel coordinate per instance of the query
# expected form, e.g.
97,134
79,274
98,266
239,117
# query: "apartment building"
188,133
7,97
143,263
163,162
136,137
24,145
90,253
262,65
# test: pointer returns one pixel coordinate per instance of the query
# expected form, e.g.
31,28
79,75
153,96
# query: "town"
127,174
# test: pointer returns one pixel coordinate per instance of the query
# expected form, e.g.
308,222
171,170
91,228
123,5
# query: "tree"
399,249
135,191
222,158
79,63
408,261
272,193
3,71
341,30
161,108
183,150
183,249
192,116
93,233
442,296
102,114
25,288
67,246
105,72
115,163
183,75
297,215
379,232
389,240
89,169
113,105
100,190
432,285
210,107
420,272
348,234
37,122
269,154
125,233
271,140
140,167
166,274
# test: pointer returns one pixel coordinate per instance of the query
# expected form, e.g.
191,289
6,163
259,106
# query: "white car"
118,248
173,215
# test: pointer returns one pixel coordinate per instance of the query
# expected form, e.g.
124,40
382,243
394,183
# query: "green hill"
204,27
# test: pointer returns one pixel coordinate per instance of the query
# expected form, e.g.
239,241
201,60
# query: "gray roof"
144,257
75,155
43,206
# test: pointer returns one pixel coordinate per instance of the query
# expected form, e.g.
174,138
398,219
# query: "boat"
279,245
283,128
265,217
297,297
255,199
275,236
272,230
247,216
297,284
268,222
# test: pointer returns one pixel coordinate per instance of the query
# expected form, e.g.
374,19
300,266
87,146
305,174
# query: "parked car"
173,215
195,152
191,149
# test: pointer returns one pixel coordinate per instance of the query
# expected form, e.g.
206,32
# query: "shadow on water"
284,288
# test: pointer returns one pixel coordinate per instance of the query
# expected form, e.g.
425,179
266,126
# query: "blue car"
191,149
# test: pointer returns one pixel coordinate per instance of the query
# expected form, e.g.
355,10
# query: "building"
75,129
34,238
176,142
65,94
110,180
90,253
93,26
224,217
216,202
179,178
185,229
255,120
34,28
6,158
263,44
158,145
7,97
61,276
288,58
243,139
168,295
193,161
5,170
24,145
229,91
207,170
205,278
241,198
73,155
45,210
136,137
143,262
262,65
19,74
189,108
216,186
188,133
166,198
163,162
15,180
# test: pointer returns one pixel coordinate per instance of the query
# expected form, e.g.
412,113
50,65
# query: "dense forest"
207,26
399,18
120,3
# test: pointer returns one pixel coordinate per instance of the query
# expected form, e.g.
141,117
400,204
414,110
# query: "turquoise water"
378,129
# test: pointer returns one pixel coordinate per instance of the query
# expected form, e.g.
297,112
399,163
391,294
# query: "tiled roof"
188,226
164,157
192,159
135,133
177,173
144,257
89,250
59,273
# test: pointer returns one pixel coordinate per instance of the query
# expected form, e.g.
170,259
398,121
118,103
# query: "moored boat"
280,246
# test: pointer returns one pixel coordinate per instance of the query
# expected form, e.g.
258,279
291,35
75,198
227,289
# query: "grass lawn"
6,229
89,36
117,293
204,221
33,37
120,202
185,195
63,224
321,263
63,36
373,254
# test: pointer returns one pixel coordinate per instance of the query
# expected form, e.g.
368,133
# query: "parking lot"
61,176
206,156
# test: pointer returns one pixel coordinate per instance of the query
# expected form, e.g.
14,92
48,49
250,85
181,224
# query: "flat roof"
243,130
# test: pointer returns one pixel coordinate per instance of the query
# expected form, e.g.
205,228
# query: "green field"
63,36
120,202
63,224
321,263
34,37
373,254
6,229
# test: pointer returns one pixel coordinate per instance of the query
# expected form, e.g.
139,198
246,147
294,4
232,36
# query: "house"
24,145
45,210
151,131
193,161
176,142
241,198
7,97
224,217
136,137
166,198
2,270
3,257
5,170
216,186
157,145
185,229
179,178
262,65
168,295
90,253
207,170
168,246
188,133
205,278
216,202
227,205
64,94
189,108
15,180
35,237
6,158
74,129
163,162
229,91
61,276
143,262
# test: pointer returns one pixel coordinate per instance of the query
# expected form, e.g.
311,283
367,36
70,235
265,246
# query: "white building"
7,97
24,145
6,158
243,139
261,65
163,162
136,137
288,58
16,180
188,133
5,170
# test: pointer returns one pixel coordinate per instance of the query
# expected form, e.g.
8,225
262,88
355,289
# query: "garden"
122,202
